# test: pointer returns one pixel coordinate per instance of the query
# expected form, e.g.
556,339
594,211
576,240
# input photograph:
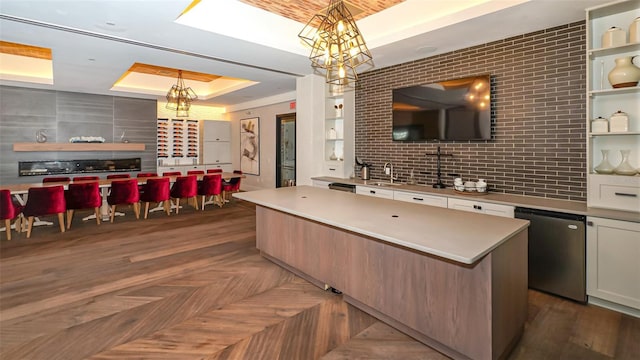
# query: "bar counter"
456,281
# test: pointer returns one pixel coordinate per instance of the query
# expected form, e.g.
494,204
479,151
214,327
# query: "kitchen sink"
384,183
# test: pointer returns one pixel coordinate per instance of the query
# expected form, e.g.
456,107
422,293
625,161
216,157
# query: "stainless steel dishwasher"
557,255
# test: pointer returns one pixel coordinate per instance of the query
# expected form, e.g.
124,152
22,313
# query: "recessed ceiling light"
110,23
92,59
425,49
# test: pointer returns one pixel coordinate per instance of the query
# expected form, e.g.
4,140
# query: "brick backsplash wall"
538,147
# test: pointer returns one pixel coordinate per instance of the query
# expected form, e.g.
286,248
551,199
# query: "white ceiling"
94,42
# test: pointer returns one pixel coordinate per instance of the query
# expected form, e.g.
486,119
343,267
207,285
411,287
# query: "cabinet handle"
332,169
589,223
477,207
625,194
418,199
372,191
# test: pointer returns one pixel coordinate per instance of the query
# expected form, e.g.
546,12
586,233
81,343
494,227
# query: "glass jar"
625,167
605,166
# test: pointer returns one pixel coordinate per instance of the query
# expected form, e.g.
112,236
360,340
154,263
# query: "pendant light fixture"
337,46
179,97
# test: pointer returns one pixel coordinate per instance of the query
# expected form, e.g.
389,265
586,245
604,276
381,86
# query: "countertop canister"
634,31
599,125
619,122
614,36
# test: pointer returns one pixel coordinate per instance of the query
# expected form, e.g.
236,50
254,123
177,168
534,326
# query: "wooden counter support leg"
472,311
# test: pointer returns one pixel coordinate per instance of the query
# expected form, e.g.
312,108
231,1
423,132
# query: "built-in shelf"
615,133
617,91
614,49
78,147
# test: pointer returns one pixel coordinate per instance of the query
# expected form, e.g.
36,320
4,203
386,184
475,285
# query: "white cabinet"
603,100
224,167
184,169
418,198
613,261
216,142
216,130
321,183
481,207
615,192
374,191
216,152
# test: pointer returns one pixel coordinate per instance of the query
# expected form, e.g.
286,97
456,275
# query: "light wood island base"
474,311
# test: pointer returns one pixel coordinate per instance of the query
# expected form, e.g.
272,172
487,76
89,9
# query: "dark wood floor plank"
380,341
194,286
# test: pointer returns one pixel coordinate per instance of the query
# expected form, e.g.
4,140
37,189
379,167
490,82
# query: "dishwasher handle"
555,214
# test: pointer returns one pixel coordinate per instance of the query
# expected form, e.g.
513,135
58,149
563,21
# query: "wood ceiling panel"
302,11
25,50
173,73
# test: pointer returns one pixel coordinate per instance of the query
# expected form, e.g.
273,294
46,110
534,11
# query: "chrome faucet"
389,166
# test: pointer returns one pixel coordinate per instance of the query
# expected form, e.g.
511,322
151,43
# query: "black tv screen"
449,110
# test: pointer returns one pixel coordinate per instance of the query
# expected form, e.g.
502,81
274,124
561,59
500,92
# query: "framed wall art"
250,146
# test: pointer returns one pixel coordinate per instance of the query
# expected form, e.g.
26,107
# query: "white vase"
625,73
625,168
605,166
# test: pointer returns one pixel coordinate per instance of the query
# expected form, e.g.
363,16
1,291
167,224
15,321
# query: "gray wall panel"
63,114
21,101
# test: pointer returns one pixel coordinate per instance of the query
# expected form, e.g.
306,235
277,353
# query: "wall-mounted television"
450,110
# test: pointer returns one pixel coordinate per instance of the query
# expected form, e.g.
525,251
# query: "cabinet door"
481,207
320,184
422,199
214,152
464,205
214,130
613,261
369,191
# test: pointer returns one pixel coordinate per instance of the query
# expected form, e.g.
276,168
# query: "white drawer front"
481,207
615,192
333,169
423,199
369,191
320,184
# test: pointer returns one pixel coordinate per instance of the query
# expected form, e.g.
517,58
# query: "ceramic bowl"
458,187
469,186
481,188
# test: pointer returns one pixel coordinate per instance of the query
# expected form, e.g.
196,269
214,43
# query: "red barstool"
211,185
9,211
86,178
185,187
156,190
51,179
195,172
231,186
46,200
118,176
83,196
172,173
124,192
214,171
146,174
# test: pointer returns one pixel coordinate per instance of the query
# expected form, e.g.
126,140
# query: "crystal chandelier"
179,97
337,46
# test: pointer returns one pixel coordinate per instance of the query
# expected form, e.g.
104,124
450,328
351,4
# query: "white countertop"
456,235
566,206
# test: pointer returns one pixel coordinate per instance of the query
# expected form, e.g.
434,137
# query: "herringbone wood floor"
193,286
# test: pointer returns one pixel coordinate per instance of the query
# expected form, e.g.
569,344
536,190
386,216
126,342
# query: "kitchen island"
454,280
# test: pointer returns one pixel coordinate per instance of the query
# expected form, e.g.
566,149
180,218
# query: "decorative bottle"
605,166
625,168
